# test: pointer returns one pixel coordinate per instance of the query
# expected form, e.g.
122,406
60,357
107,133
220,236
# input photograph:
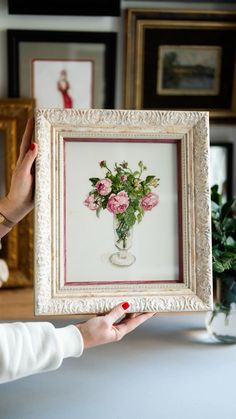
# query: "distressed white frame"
192,129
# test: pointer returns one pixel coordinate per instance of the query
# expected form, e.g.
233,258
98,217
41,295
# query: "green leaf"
215,210
230,227
226,209
149,179
216,252
233,266
215,196
129,216
230,241
217,237
94,180
218,267
139,217
104,203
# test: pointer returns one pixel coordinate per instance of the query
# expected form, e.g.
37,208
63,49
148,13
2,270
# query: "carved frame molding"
192,128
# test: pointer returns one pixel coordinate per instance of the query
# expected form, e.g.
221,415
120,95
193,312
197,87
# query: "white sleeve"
29,348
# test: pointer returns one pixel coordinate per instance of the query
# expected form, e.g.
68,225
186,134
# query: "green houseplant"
223,316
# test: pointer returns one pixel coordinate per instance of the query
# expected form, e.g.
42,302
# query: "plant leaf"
225,210
94,180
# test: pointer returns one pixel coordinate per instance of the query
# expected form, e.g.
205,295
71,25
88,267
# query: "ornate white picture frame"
122,211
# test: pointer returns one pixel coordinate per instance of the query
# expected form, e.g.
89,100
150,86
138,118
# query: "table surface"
168,368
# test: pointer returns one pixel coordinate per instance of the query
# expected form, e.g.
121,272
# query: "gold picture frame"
149,32
17,246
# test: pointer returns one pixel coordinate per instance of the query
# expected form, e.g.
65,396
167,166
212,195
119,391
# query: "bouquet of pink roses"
124,193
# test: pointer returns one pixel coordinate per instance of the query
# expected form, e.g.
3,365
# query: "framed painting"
17,246
178,60
76,69
190,1
221,168
122,211
70,8
59,78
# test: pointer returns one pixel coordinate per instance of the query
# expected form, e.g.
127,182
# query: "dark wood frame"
15,37
191,27
70,7
195,1
230,167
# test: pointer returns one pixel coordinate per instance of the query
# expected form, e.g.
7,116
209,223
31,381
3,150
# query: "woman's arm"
19,201
30,348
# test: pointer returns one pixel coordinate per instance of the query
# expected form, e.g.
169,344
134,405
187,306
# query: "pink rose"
90,203
103,186
123,178
149,201
118,203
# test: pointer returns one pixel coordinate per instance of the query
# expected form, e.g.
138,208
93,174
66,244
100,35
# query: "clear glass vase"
221,322
123,236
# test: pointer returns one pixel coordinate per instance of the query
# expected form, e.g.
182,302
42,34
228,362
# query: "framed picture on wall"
179,59
221,168
63,69
68,83
17,245
116,198
70,8
190,1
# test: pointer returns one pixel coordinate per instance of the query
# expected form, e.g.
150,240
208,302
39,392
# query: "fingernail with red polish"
32,147
125,306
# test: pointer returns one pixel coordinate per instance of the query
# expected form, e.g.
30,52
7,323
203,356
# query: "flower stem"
122,232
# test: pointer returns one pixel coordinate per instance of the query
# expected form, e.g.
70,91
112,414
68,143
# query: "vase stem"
123,235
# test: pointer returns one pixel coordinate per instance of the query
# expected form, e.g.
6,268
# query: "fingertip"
32,147
118,312
125,305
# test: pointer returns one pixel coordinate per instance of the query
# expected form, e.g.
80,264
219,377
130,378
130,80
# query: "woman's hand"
19,200
103,329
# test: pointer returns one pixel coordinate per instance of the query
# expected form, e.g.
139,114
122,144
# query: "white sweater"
29,348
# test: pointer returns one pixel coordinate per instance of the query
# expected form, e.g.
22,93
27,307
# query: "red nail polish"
125,306
32,147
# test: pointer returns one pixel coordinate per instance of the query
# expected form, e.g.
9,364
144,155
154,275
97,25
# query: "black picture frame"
192,1
149,30
229,147
108,39
68,8
154,38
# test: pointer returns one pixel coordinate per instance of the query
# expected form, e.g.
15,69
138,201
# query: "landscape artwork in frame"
188,70
177,59
116,201
68,83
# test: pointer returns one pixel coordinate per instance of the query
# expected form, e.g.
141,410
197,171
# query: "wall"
84,23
